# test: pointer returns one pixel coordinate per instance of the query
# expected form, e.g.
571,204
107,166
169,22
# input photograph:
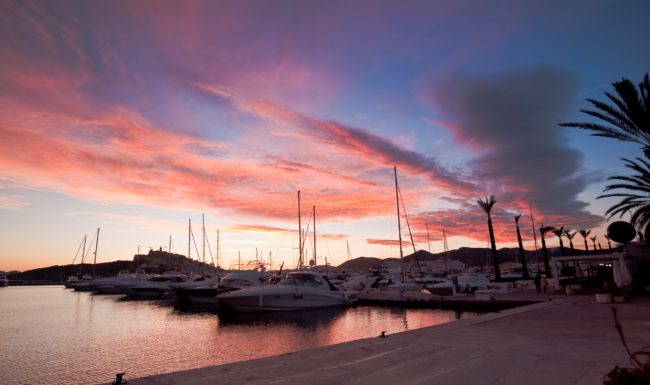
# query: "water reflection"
301,319
52,335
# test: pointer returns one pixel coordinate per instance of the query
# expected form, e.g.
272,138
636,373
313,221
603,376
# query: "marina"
56,335
325,193
564,340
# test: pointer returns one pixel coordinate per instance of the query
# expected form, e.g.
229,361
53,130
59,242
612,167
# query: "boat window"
236,282
301,280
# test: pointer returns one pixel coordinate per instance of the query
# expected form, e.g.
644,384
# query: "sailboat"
83,284
299,290
406,282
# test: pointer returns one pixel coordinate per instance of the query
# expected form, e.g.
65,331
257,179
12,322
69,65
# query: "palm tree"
522,252
558,233
487,207
628,119
609,243
570,234
543,230
636,197
585,233
593,239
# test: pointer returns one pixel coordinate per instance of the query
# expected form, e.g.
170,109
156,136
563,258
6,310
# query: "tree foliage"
634,191
626,119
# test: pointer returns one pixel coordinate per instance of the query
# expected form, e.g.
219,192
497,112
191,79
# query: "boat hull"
282,298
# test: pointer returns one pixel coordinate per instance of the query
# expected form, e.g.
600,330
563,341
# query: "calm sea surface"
51,335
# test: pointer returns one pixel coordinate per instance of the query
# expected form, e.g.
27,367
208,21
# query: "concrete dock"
564,340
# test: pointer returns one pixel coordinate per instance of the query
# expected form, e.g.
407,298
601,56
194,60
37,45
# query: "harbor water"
51,335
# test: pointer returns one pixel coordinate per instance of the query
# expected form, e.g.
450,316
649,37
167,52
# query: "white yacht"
300,290
155,287
467,283
206,293
107,285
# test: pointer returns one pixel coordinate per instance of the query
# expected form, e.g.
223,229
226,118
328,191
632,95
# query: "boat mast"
218,246
314,215
444,237
189,238
299,234
428,238
83,255
95,259
348,244
399,225
532,221
169,248
203,218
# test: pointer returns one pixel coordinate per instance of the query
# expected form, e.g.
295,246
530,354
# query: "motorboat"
107,285
79,284
206,293
299,290
155,287
465,283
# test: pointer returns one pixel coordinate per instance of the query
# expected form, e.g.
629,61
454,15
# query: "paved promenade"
567,340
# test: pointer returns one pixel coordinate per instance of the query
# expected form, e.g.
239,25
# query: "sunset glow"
136,116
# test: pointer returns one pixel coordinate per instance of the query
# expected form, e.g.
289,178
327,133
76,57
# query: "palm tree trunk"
561,247
547,266
573,252
522,254
586,247
495,258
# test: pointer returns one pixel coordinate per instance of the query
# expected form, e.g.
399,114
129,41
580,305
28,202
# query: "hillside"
156,261
468,255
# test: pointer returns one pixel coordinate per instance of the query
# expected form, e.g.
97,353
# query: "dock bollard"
118,379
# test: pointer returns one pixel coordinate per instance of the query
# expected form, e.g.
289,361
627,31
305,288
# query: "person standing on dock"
537,280
544,283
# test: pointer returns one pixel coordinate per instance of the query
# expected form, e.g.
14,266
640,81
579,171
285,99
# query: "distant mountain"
468,255
363,263
59,274
156,261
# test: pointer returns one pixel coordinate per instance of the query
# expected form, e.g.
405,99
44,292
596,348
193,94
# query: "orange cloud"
386,242
256,229
371,148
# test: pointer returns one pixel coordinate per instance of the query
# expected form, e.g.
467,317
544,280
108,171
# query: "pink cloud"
256,229
12,202
386,242
351,141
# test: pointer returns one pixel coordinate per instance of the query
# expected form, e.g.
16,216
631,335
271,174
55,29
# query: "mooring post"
118,379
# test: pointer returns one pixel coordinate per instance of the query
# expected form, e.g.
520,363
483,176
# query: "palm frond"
627,118
569,234
634,193
487,204
546,229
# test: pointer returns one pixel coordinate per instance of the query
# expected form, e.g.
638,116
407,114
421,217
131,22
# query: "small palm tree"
558,233
636,197
543,230
522,252
628,119
593,239
585,233
609,242
570,234
487,206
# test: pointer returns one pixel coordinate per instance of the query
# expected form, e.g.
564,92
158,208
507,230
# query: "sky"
137,117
